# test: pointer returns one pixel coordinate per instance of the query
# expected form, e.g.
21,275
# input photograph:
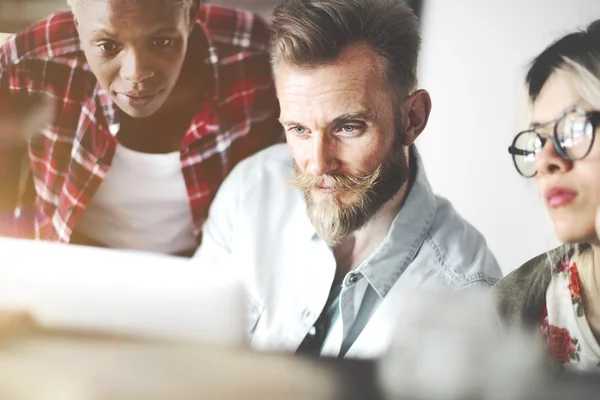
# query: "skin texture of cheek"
592,200
105,72
372,154
579,229
586,175
358,158
301,152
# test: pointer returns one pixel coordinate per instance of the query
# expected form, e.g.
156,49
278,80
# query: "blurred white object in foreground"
452,346
36,367
129,293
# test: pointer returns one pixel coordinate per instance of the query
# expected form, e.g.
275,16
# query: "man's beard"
333,221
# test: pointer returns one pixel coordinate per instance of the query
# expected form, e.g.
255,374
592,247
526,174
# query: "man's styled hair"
309,33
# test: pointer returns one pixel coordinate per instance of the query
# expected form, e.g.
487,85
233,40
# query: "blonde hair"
585,81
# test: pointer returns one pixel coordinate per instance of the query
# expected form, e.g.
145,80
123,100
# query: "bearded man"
330,230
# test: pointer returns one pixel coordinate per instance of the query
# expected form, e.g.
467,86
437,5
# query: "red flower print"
574,281
560,344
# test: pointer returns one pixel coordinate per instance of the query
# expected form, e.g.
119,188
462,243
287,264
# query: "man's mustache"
344,183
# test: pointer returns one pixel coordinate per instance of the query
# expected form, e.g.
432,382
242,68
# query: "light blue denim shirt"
258,227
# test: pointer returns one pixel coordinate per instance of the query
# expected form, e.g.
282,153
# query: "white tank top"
142,204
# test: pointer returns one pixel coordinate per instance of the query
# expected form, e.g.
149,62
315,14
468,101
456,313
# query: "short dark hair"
308,33
581,47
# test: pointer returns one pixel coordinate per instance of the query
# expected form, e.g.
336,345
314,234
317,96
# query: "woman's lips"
558,197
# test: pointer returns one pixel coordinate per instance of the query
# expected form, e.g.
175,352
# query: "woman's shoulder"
520,295
530,270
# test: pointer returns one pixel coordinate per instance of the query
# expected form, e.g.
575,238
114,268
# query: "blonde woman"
559,292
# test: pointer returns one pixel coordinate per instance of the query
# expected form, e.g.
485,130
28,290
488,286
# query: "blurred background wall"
475,54
18,14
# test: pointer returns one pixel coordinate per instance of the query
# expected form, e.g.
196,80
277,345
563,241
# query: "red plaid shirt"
71,157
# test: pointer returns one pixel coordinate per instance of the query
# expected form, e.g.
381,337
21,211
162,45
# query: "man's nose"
324,158
135,68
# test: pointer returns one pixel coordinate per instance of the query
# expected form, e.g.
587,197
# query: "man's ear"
415,114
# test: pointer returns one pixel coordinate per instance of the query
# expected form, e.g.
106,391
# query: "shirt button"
353,278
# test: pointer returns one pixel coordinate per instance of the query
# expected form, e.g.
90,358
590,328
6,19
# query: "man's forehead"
321,114
314,90
325,86
326,102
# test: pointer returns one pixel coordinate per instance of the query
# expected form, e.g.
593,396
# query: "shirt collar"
211,58
407,233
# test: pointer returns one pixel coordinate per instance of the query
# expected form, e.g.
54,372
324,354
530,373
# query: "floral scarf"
567,335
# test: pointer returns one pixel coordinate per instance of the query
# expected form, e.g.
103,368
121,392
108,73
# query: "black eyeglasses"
573,136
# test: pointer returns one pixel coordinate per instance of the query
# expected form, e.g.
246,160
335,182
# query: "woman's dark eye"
162,42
